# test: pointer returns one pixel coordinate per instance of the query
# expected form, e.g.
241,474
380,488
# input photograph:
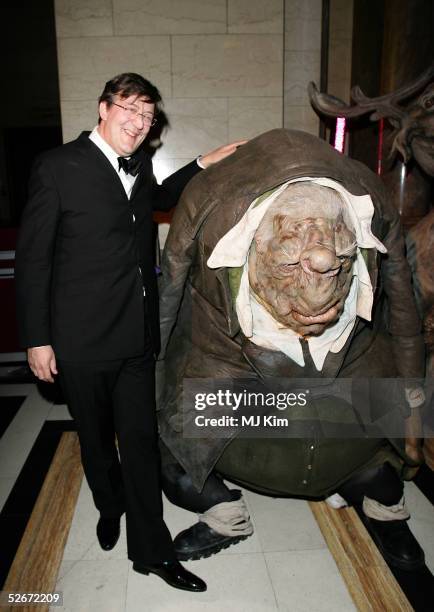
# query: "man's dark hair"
129,84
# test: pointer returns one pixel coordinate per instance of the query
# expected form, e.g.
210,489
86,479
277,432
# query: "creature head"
301,258
414,124
416,134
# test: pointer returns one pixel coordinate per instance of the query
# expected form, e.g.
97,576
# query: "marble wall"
217,63
227,69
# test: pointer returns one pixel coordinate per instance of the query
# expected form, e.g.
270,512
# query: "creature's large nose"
319,259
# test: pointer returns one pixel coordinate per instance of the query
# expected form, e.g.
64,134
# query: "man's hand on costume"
42,362
218,154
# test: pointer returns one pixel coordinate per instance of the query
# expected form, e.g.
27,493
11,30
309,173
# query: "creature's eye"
286,267
429,103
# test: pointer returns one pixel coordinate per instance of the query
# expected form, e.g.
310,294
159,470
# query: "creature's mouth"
326,317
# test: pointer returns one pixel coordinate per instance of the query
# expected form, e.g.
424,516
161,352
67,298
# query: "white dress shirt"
127,179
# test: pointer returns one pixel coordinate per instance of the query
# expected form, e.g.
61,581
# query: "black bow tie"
130,166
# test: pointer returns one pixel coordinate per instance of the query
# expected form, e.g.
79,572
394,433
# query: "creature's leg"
179,489
381,483
223,516
380,493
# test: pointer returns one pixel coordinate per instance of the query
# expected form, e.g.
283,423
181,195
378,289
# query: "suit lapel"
138,182
96,157
140,177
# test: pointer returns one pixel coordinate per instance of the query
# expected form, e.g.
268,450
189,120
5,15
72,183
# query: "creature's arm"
405,329
404,323
178,255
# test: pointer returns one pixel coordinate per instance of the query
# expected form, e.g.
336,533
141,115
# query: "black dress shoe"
108,530
396,543
174,574
200,541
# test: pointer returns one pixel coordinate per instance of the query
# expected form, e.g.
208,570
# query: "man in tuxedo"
88,309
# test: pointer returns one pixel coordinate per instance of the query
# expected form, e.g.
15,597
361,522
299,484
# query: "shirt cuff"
199,162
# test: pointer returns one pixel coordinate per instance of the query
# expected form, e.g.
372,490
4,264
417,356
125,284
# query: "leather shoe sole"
173,574
200,541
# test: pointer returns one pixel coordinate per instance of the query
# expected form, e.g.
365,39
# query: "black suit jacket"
82,261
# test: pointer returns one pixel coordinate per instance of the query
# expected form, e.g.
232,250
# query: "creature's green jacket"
201,336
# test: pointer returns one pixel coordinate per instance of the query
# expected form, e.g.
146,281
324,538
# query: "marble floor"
285,565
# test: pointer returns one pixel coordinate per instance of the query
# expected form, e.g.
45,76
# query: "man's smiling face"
124,129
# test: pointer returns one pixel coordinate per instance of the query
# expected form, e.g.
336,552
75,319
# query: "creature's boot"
379,492
223,516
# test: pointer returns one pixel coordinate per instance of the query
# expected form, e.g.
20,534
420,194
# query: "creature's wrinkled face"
301,271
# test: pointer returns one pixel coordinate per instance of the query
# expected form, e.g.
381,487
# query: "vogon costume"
211,327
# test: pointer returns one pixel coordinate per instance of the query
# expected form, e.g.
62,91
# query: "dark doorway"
30,117
29,124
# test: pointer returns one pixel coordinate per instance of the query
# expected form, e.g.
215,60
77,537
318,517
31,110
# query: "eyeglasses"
133,113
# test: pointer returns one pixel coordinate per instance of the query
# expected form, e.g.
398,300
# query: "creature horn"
382,106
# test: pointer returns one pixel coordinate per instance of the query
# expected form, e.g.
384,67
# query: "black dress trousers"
116,400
